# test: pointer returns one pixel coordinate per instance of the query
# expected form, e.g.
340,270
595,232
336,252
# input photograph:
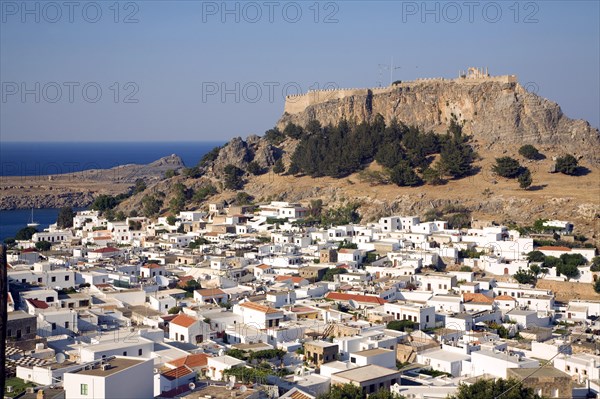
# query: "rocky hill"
495,111
79,189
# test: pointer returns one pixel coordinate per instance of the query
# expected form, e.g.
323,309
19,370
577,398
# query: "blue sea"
43,158
49,158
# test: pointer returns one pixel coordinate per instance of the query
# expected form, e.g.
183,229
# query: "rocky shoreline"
39,201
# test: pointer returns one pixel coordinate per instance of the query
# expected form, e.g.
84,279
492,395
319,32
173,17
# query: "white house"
217,365
184,328
112,378
377,356
423,315
496,363
259,316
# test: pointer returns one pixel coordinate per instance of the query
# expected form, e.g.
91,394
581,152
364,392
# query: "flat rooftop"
372,352
321,344
366,373
542,372
116,366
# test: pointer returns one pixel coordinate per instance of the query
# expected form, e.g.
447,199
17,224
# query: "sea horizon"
38,158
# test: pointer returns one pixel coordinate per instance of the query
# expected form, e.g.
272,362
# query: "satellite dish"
192,386
221,352
243,388
60,358
353,304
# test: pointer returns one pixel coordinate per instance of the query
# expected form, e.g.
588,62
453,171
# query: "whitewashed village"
245,302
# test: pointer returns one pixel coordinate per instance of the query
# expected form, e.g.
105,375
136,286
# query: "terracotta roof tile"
184,320
553,248
38,304
211,292
476,298
178,372
358,298
504,298
194,360
258,307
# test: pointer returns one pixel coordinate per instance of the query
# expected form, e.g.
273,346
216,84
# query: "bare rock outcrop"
496,113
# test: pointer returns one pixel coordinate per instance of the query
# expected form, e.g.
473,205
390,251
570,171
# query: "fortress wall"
295,104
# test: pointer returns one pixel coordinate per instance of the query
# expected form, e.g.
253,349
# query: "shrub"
530,152
567,165
507,167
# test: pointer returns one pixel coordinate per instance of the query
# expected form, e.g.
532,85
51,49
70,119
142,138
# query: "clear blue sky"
179,53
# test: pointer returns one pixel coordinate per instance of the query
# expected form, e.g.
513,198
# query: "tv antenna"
390,68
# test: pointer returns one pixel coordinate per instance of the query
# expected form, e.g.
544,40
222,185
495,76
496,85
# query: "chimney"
40,394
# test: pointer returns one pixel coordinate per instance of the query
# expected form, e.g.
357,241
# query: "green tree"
500,388
332,272
104,202
597,286
233,177
313,127
174,310
574,259
254,168
567,165
65,217
171,220
293,169
530,152
43,246
170,173
390,154
525,276
25,233
315,208
274,136
595,266
403,175
402,325
279,168
140,185
194,172
345,391
456,155
293,131
204,192
507,167
209,157
569,270
536,256
433,176
151,205
243,198
551,261
525,179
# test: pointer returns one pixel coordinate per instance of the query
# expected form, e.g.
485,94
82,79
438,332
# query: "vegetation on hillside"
403,151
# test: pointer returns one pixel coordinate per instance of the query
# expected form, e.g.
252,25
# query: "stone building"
319,352
547,382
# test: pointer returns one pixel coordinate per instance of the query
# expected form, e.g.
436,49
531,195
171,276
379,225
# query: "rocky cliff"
496,113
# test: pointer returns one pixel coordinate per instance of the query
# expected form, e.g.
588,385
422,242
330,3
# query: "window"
28,329
83,389
139,352
352,360
53,279
66,324
125,353
67,278
53,326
